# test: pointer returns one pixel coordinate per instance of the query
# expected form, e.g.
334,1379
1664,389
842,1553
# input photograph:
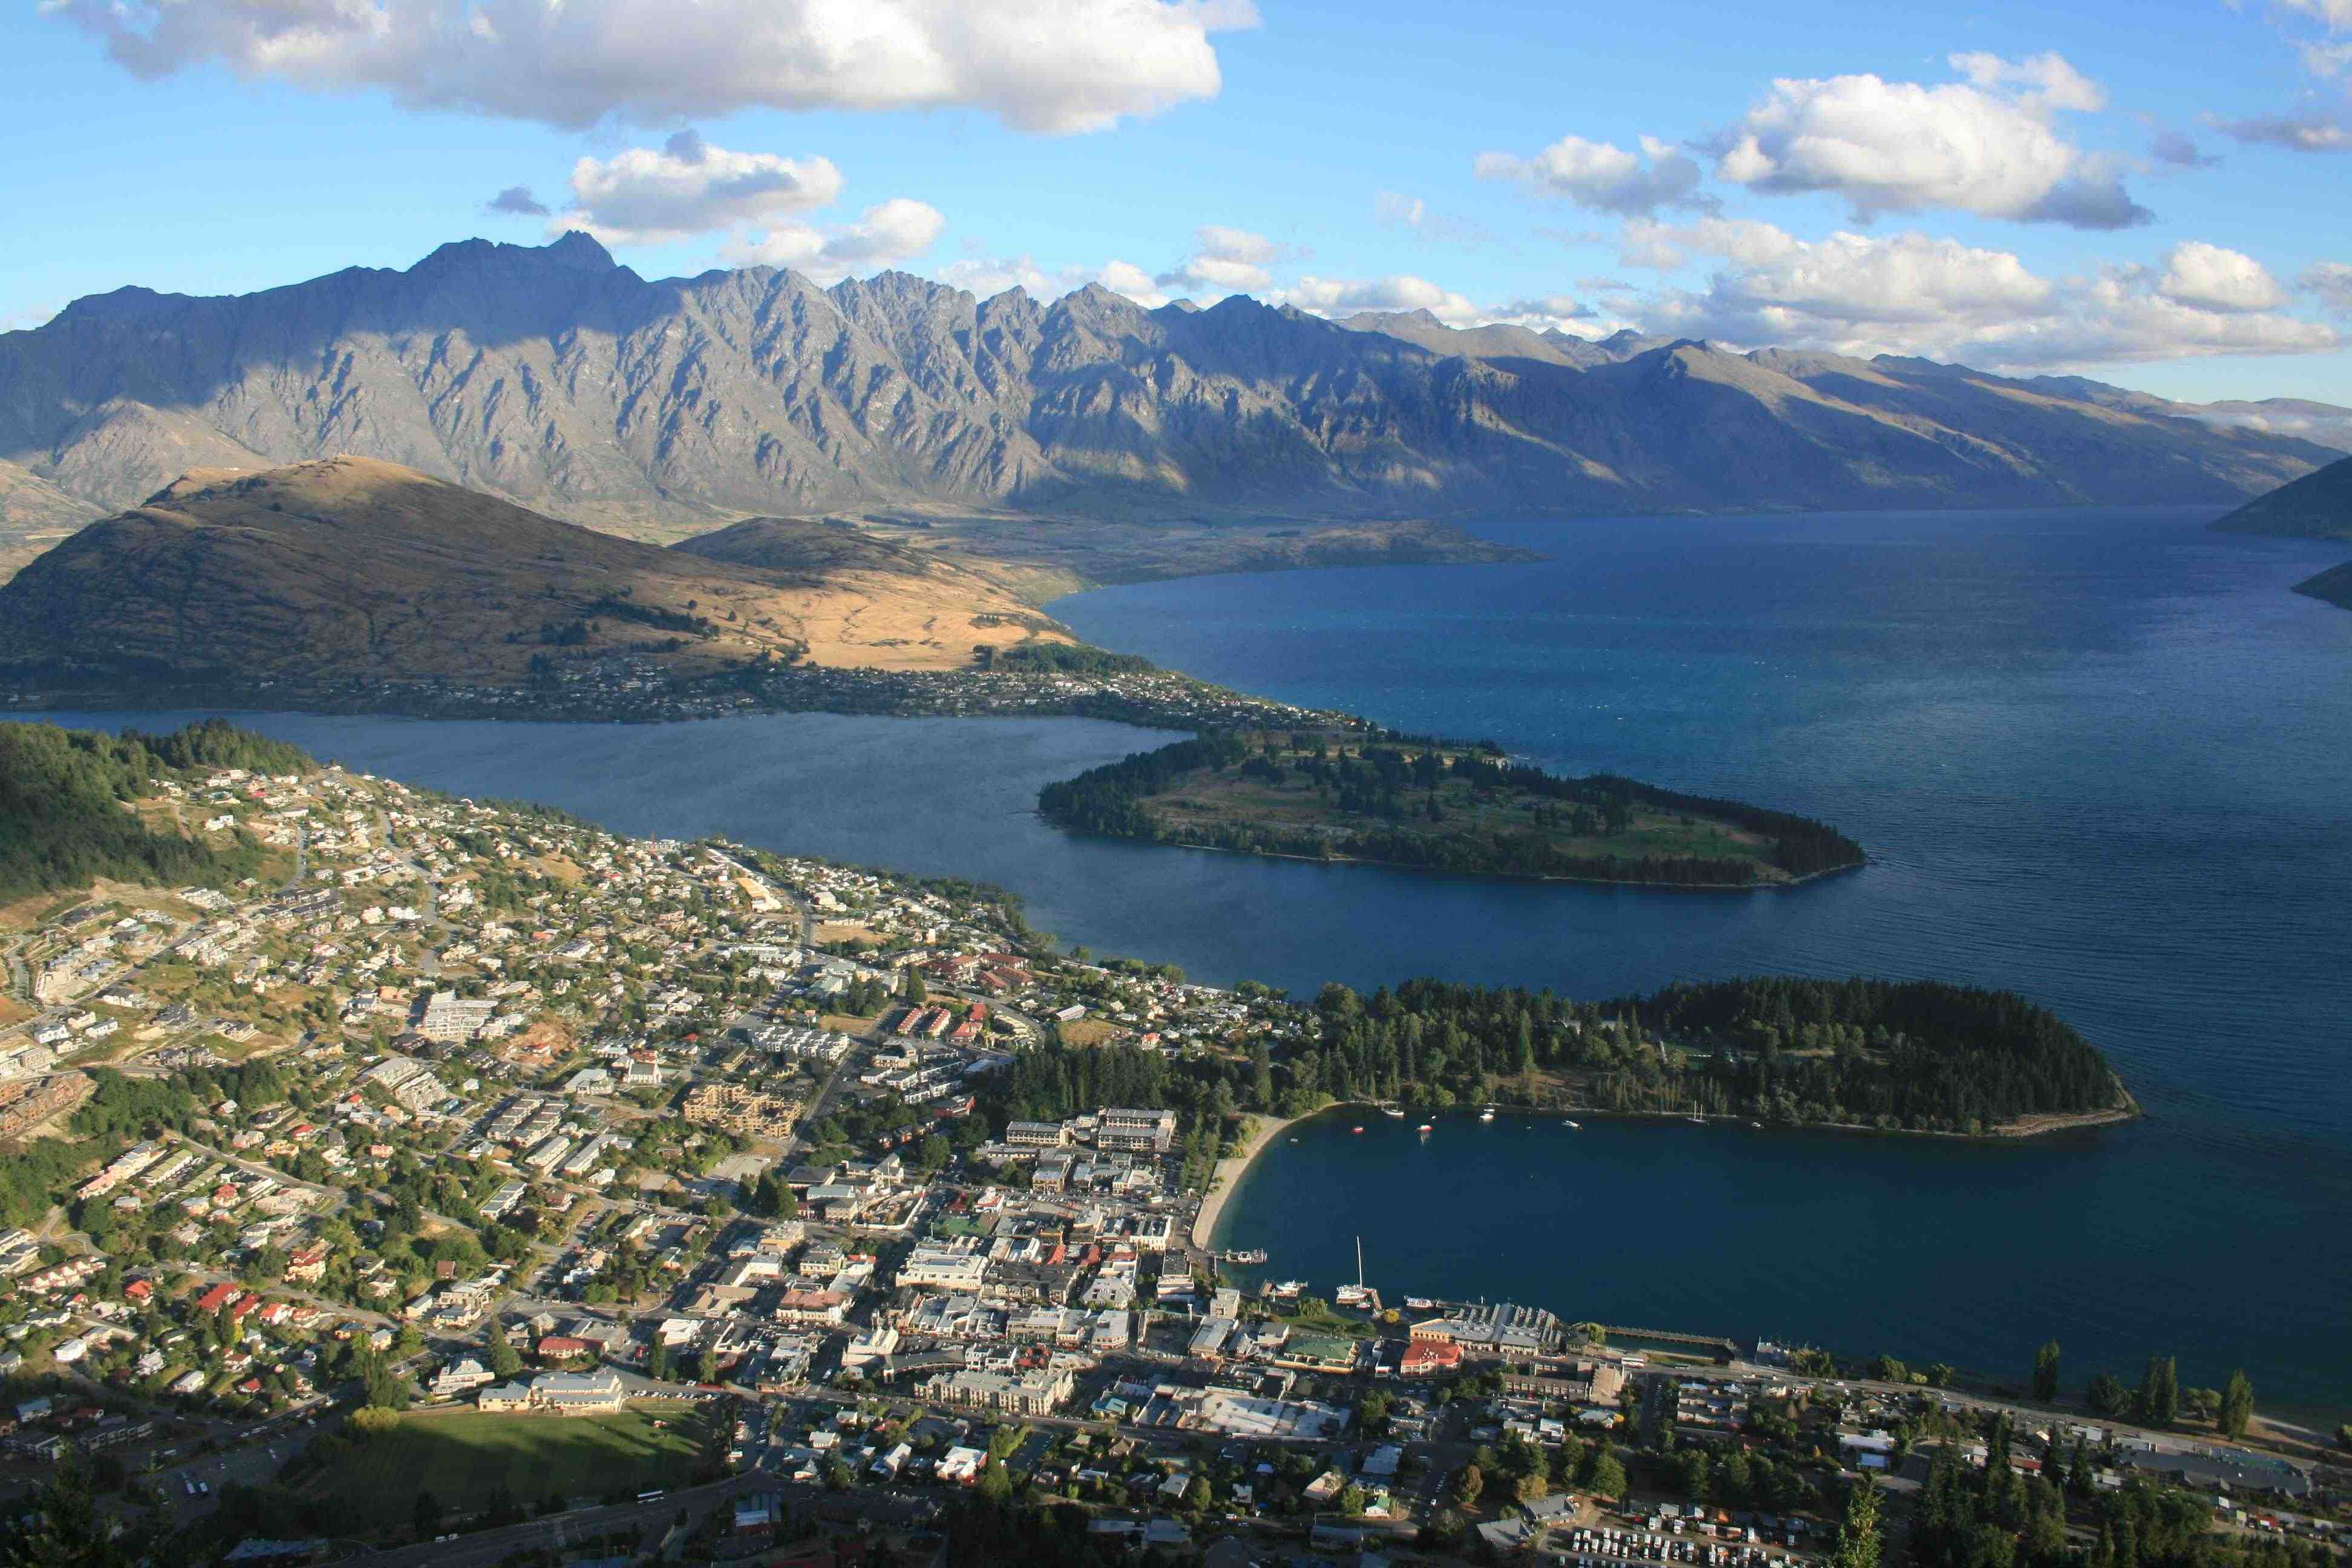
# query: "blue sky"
2152,194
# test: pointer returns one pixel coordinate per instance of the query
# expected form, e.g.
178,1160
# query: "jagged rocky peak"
553,377
129,302
573,249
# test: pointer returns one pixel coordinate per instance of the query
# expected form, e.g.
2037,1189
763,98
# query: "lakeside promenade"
1228,1175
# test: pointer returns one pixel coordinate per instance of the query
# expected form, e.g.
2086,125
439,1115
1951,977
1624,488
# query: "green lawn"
463,1457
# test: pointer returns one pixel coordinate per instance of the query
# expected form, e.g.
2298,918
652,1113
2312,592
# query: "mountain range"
553,378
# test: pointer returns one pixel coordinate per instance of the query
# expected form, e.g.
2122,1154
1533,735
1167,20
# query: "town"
632,687
471,1183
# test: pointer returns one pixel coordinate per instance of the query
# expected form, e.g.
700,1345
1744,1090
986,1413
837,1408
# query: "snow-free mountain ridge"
554,378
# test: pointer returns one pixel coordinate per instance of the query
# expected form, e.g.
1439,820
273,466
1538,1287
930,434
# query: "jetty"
1714,1344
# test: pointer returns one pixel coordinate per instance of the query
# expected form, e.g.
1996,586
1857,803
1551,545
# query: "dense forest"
1992,1516
62,797
1915,1055
1059,658
1378,785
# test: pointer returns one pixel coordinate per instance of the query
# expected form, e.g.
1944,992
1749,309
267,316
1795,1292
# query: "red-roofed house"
1427,1358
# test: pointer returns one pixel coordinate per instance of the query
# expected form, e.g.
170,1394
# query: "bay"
2097,757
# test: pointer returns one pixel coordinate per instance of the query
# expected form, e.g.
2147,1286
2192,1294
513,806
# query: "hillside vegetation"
2317,506
1917,1056
1439,807
65,795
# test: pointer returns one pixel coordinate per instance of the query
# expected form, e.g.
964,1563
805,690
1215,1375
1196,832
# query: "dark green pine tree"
2045,1373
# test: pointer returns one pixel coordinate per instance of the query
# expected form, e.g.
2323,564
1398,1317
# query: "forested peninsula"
1914,1057
1917,1056
1437,805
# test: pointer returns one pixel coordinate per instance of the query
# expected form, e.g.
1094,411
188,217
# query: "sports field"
463,1457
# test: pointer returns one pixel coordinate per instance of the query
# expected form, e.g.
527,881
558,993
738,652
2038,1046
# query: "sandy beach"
1228,1175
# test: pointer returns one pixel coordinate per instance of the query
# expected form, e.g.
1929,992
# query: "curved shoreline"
1229,1173
1226,1178
2006,1132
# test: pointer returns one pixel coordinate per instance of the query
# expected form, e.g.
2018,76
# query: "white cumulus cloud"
1665,247
884,235
1602,175
1049,66
2214,279
1398,291
987,275
687,186
2044,81
1126,278
1988,145
1225,261
1916,294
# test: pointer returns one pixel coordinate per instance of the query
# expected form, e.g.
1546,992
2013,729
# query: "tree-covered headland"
1439,807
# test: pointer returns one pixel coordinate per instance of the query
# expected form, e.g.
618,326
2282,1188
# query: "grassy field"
463,1458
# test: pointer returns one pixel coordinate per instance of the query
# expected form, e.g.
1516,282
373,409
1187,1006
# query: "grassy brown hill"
354,567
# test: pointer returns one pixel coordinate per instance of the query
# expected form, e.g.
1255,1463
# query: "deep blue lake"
2102,758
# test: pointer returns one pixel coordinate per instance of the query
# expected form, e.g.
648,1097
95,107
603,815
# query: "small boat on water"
1396,1111
1425,1129
1488,1114
1358,1129
1758,1125
1571,1126
1286,1290
1419,1303
1700,1121
1245,1255
1361,1296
